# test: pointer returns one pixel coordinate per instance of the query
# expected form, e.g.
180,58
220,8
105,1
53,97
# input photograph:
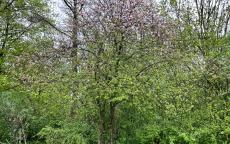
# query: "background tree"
129,71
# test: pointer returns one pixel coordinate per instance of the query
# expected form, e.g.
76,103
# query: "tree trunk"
3,46
112,123
74,55
101,123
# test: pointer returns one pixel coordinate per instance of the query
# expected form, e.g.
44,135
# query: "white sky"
57,8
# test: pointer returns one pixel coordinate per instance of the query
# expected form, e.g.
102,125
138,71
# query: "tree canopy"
115,72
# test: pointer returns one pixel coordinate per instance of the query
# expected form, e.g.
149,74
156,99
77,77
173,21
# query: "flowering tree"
114,35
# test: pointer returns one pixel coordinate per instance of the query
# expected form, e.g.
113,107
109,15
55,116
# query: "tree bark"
112,123
74,52
2,54
101,123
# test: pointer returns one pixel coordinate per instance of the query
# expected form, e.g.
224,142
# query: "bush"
61,136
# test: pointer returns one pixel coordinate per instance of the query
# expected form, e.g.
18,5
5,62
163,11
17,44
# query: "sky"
57,8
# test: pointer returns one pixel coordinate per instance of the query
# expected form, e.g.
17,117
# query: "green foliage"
170,85
173,2
61,136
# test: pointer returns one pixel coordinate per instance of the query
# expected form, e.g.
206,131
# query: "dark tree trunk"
112,123
101,123
74,51
3,46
